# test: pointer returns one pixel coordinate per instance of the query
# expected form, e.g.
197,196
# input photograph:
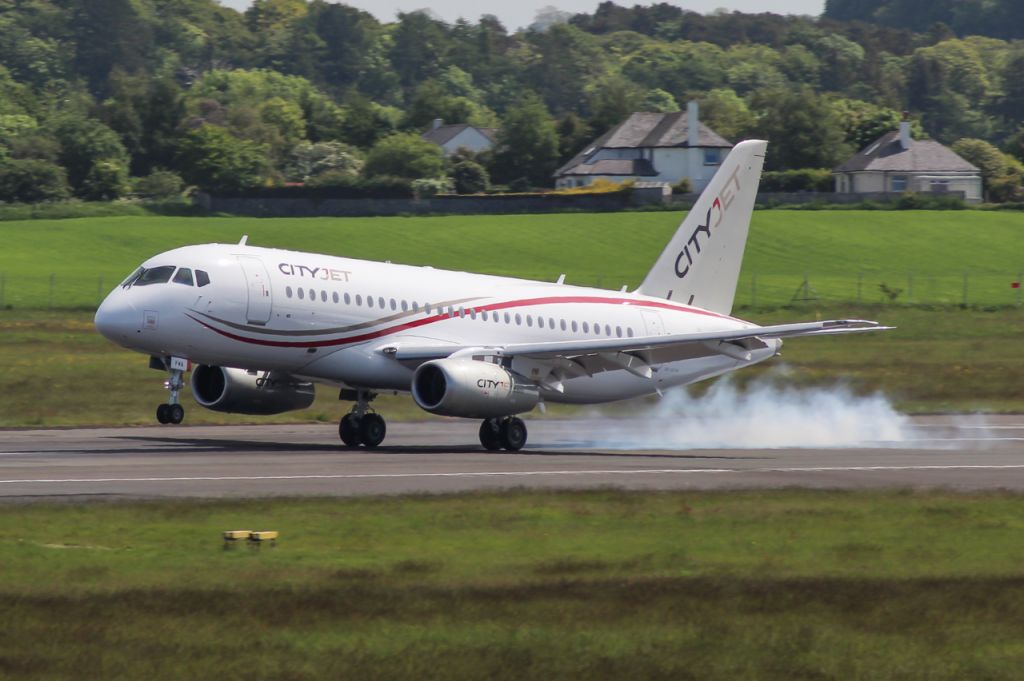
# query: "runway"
443,456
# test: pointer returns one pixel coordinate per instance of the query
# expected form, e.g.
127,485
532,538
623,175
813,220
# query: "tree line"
101,99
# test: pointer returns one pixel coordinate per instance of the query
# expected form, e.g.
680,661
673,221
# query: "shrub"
683,186
801,180
32,181
470,177
160,184
426,187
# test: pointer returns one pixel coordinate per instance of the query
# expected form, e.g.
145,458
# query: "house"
896,162
650,147
459,136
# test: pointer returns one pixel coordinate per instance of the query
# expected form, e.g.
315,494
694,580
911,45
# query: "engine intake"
471,389
241,392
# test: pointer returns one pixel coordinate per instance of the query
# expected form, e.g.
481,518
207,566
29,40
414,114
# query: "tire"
490,437
176,414
372,430
348,430
163,413
513,434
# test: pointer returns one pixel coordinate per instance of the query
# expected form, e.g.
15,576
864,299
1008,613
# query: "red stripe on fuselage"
554,300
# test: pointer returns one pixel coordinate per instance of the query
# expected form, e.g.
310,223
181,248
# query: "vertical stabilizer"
701,264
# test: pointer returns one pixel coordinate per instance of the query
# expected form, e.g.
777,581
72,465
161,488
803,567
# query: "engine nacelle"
472,389
240,392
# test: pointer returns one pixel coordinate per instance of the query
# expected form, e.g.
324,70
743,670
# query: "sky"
520,13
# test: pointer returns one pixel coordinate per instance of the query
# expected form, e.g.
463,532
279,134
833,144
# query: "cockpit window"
131,278
202,278
155,275
183,276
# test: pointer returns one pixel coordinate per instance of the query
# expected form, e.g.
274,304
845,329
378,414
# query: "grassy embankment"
57,371
597,585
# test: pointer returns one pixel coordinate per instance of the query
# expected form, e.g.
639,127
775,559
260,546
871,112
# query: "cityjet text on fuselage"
720,205
322,273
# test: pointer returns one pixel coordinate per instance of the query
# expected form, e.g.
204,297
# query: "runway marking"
651,471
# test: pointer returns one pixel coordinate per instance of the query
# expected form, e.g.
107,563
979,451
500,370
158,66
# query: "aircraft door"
652,323
258,285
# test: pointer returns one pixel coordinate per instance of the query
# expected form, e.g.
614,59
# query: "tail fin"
701,264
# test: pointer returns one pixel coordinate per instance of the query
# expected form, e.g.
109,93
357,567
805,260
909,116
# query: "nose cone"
117,319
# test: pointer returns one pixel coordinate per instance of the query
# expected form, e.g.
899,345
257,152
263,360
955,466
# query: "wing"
736,343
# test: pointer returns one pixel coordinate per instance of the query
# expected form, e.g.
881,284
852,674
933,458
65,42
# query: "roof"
645,129
886,154
615,166
443,134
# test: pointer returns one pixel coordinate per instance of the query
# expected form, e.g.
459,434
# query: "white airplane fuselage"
338,320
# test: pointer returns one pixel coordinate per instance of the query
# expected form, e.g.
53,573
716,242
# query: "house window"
939,186
899,183
712,157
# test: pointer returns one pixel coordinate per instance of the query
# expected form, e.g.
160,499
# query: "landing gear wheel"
372,430
513,434
175,413
163,413
490,435
348,430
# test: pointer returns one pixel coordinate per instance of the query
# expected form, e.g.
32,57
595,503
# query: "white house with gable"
650,147
451,138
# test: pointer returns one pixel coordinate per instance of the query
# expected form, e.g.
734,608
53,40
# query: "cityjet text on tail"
258,327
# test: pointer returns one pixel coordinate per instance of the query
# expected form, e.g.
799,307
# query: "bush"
470,177
404,155
519,185
802,180
683,186
160,184
32,181
426,187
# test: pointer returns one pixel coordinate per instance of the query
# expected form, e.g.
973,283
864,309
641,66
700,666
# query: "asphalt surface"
443,456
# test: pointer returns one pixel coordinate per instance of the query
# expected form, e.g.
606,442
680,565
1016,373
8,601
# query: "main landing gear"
173,412
508,433
360,426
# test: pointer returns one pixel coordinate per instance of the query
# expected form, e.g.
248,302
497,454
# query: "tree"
107,180
217,161
404,155
469,178
727,114
85,142
310,159
1002,174
527,143
801,129
32,181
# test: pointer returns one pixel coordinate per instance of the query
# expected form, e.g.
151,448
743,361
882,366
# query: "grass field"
846,255
596,585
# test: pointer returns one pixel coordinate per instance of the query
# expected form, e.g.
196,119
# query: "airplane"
259,326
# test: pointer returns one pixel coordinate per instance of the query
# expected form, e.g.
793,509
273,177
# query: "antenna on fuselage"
245,237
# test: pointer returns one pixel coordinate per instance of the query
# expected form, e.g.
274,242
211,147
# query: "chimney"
692,124
438,122
905,131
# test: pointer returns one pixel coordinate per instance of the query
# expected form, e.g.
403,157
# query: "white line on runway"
470,474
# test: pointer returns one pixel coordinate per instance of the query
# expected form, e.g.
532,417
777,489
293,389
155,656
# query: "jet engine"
243,392
472,389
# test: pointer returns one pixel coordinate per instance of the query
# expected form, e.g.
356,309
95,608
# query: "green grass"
57,371
846,254
597,585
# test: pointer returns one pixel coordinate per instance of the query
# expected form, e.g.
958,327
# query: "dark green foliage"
84,143
160,184
469,178
217,161
527,144
32,181
404,155
802,180
998,18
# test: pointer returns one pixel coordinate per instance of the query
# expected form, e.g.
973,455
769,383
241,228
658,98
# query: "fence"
755,289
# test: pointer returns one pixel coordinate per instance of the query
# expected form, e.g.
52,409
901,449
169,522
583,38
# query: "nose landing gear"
173,412
508,433
360,426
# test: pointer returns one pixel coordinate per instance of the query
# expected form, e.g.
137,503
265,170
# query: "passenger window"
405,306
393,305
629,332
288,291
519,320
529,320
359,300
508,318
312,294
561,325
323,296
483,315
618,331
380,301
183,276
369,301
586,327
348,299
540,322
575,327
202,278
334,297
302,293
